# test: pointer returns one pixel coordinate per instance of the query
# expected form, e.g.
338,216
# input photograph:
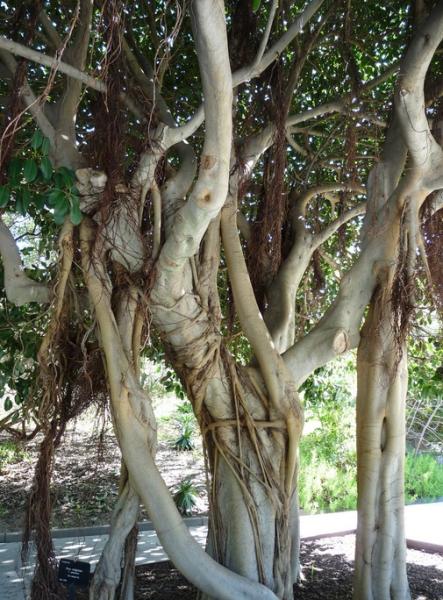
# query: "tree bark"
109,568
380,560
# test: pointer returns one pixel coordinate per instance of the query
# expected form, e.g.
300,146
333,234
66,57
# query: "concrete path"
424,529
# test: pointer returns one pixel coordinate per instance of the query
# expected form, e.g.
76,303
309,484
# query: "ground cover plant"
251,189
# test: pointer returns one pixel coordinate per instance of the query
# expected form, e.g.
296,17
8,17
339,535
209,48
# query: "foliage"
172,383
324,487
35,188
425,386
185,497
159,378
184,442
185,407
11,452
423,477
327,479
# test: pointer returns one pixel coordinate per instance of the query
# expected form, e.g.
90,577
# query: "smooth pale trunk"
380,560
108,572
253,530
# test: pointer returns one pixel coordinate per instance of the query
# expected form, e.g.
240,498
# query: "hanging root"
403,284
68,388
25,14
265,250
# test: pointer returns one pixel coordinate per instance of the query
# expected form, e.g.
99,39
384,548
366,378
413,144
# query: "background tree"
300,109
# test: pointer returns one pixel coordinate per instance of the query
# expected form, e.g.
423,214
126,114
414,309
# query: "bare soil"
86,474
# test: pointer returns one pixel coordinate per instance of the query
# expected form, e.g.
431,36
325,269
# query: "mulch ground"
86,473
327,575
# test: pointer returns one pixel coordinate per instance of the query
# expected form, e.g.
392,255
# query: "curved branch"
317,190
254,70
426,153
326,233
258,66
339,329
210,577
248,311
20,289
280,315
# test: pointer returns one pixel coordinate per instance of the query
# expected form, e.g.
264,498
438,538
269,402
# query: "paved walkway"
424,528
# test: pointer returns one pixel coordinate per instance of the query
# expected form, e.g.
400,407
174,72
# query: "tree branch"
66,69
265,37
210,190
339,329
328,231
20,289
75,55
50,30
340,104
425,152
248,311
280,315
32,104
254,70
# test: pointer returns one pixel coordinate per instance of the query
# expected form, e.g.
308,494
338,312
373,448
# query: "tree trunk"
109,568
249,533
380,559
253,526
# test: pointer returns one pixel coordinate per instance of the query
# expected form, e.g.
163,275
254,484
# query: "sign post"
73,573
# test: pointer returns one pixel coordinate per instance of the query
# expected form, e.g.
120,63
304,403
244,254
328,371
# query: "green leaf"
68,176
46,144
26,199
37,139
75,214
19,205
54,197
14,170
61,208
4,195
255,5
61,203
58,179
30,170
46,168
8,403
59,217
39,200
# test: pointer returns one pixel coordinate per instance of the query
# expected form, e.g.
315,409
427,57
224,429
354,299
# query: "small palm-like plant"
184,442
185,497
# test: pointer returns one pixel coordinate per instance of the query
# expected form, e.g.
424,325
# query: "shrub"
185,497
184,442
423,477
10,453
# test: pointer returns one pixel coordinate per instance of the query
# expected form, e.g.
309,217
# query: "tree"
297,100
